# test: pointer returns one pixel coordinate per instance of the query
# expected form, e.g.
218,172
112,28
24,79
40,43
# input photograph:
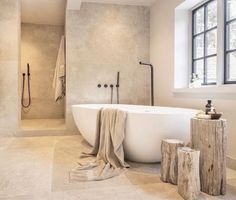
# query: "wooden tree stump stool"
188,173
209,137
169,161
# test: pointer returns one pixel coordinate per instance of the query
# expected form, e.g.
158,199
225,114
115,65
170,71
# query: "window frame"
204,32
226,51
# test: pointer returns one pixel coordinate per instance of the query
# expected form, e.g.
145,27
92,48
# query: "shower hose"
23,91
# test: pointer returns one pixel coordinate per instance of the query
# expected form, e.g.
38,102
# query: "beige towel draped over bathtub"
108,153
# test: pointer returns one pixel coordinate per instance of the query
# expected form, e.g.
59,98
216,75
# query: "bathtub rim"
132,107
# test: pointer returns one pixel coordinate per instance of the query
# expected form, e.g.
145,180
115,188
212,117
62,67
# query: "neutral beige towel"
59,74
108,153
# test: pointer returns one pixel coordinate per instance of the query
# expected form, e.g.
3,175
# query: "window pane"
211,42
211,69
199,46
211,15
231,36
199,21
231,9
199,69
231,64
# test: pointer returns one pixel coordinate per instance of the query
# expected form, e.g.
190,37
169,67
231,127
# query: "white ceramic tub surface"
146,126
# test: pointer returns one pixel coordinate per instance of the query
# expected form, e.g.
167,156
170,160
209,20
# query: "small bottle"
191,84
208,107
197,82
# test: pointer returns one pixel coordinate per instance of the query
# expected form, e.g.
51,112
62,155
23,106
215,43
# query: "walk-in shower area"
42,73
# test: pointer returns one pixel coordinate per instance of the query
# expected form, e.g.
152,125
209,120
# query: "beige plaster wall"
9,65
162,56
39,48
102,39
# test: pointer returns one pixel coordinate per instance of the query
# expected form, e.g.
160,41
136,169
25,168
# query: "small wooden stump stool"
169,161
209,136
188,173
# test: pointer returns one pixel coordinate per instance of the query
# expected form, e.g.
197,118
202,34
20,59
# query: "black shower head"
143,63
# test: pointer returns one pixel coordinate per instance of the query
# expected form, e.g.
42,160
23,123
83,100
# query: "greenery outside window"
230,42
204,42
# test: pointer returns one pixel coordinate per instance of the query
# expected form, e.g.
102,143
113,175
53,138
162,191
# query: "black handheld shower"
23,88
152,80
117,88
28,69
111,86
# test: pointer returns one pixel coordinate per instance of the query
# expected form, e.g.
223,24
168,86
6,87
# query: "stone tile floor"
43,124
36,168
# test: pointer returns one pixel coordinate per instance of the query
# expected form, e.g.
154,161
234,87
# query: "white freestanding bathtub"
146,126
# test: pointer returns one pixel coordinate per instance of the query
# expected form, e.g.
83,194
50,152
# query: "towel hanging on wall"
59,75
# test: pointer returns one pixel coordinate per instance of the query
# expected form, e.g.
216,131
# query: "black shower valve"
105,85
99,85
111,86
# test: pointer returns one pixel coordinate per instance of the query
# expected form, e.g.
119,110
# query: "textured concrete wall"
39,48
101,40
9,65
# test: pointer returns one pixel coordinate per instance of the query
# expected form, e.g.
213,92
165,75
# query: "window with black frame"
204,35
230,41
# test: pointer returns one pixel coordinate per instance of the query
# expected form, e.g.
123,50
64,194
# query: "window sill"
211,89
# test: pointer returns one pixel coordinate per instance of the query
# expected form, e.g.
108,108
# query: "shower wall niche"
39,48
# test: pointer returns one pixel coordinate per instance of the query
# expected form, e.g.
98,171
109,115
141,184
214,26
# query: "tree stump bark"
210,138
188,173
169,161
